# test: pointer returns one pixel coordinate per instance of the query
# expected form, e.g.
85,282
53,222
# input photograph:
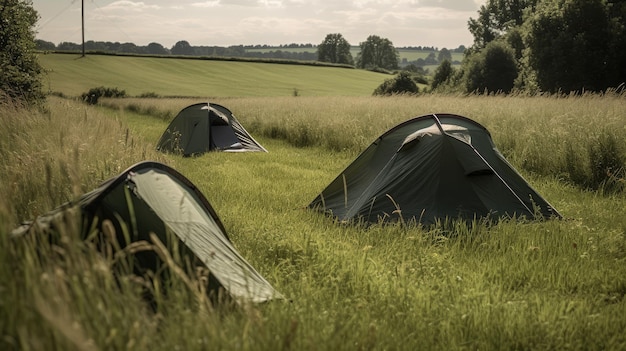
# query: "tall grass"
53,156
513,285
576,138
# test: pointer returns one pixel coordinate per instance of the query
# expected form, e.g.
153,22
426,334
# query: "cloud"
212,3
233,22
457,5
125,5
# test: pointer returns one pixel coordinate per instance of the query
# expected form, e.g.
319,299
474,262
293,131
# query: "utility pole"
82,16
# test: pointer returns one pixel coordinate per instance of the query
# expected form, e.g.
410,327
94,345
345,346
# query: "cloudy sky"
439,23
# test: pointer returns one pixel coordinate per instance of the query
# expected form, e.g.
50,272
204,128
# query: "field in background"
73,75
545,285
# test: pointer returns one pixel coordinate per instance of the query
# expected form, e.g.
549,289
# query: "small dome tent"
431,168
206,127
149,199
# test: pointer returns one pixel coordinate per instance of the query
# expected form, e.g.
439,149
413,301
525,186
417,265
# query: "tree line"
183,48
305,52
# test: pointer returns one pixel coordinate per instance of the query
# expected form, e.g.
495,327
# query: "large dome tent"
430,169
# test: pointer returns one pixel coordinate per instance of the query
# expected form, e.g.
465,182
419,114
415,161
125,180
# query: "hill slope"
73,75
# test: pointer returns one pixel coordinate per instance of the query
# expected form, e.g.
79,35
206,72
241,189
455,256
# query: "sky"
436,23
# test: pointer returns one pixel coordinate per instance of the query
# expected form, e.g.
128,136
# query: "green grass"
73,75
545,285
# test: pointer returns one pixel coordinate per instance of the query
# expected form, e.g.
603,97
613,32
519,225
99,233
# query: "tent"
206,127
430,169
151,197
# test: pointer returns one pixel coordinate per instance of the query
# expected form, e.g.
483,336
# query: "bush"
91,97
493,69
20,71
403,83
150,94
442,74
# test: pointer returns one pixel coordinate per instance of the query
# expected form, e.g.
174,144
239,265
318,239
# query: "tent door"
223,137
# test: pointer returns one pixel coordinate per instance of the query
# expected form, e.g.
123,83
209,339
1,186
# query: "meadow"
72,75
556,284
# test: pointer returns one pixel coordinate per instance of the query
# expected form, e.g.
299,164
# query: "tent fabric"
428,169
151,197
205,127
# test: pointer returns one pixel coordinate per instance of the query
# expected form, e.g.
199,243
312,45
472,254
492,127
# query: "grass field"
552,285
73,75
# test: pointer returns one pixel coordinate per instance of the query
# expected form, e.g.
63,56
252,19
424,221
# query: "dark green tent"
151,197
206,127
432,168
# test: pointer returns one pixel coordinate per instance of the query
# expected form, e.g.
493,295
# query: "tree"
403,83
617,14
571,44
444,54
130,48
182,48
68,46
96,46
20,72
418,72
335,49
44,45
515,39
493,69
442,74
377,52
156,49
496,18
431,59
